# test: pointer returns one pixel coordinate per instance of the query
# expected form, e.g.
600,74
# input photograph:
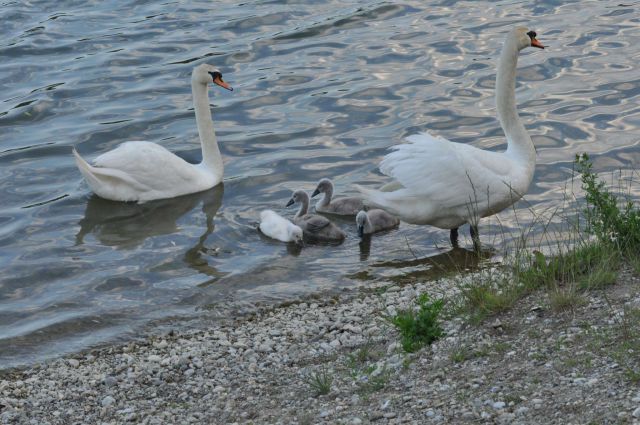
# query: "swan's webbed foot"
453,237
475,237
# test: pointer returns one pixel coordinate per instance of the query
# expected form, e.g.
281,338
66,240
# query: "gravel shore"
529,365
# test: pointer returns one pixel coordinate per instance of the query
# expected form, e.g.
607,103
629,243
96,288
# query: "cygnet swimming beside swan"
315,227
374,221
340,206
279,228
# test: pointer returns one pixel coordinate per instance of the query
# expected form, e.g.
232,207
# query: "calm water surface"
322,89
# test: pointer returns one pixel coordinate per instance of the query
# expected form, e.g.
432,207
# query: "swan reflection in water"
454,260
126,225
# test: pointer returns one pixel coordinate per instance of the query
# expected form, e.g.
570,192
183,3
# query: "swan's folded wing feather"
446,172
149,164
315,223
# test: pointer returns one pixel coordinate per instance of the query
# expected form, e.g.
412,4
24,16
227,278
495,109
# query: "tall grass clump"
419,327
586,255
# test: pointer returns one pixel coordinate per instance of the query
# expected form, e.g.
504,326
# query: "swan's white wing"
444,172
151,166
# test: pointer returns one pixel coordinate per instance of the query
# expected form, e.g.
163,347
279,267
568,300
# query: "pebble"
636,413
108,401
499,405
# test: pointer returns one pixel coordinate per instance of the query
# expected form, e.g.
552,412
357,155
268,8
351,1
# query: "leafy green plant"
419,327
611,220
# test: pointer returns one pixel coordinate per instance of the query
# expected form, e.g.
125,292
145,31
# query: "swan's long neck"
304,207
519,144
211,158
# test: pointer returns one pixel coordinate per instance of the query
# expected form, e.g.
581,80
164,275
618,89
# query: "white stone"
499,405
636,413
108,401
154,358
73,362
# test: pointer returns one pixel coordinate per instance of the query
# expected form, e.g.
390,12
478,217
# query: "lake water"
322,89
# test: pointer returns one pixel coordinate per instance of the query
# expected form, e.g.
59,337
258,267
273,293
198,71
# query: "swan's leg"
453,237
475,237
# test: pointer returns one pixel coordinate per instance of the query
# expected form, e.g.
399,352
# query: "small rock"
355,421
636,413
73,362
108,401
154,358
375,415
499,405
110,381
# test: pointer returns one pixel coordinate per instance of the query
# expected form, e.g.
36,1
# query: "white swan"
446,184
278,227
144,171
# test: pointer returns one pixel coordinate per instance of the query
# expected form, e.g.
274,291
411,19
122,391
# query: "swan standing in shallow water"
340,206
446,184
144,171
374,221
315,227
278,227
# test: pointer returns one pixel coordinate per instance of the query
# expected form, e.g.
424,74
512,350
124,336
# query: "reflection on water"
456,260
322,90
125,225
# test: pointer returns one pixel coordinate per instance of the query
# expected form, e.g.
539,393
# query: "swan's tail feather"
87,170
109,183
372,198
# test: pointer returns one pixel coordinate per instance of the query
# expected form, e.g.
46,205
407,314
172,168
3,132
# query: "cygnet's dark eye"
532,34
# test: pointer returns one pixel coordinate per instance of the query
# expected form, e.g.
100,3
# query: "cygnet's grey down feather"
314,227
340,206
374,221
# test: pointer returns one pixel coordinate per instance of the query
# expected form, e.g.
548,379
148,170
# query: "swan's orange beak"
218,81
536,43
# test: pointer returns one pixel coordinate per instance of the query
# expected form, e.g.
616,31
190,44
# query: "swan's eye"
532,34
215,75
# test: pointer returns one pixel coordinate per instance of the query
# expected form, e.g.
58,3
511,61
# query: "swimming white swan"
374,221
340,206
144,171
278,227
315,227
446,184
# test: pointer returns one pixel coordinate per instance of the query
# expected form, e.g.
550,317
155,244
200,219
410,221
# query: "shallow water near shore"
321,90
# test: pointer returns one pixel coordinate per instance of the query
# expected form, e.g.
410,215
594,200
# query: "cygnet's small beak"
291,202
315,192
536,43
218,81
